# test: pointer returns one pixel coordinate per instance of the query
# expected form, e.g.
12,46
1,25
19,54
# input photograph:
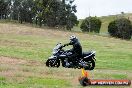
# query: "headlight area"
55,51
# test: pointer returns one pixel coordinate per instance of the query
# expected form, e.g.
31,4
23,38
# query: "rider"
76,50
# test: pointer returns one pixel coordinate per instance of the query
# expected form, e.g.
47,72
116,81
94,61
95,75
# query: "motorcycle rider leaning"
76,50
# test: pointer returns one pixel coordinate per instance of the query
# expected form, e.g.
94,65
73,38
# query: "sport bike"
87,60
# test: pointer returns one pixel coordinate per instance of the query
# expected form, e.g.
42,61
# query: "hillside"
107,19
24,50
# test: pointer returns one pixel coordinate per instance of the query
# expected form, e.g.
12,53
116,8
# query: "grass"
39,48
24,50
37,83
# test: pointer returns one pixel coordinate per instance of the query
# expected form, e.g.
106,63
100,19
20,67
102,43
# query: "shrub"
91,24
120,28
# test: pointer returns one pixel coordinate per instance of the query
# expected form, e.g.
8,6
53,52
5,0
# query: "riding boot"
67,63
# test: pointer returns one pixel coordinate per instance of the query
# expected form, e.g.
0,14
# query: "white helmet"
73,39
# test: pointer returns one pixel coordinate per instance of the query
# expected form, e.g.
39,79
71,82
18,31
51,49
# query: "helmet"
73,39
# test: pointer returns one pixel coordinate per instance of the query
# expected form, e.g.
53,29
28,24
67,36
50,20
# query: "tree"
91,24
15,9
51,13
21,10
4,8
120,28
47,12
56,13
71,18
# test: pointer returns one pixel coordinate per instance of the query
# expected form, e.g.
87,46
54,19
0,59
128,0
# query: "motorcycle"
87,60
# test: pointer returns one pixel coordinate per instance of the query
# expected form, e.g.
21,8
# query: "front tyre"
52,63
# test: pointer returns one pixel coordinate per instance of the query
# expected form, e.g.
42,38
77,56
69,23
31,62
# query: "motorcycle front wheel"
52,63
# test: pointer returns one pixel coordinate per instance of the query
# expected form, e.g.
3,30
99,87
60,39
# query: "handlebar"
65,45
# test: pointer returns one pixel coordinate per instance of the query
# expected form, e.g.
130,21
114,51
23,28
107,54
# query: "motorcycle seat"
86,53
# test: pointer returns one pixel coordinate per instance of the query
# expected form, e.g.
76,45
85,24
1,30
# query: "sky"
102,7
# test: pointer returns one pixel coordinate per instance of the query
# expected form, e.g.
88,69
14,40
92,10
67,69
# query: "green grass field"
24,50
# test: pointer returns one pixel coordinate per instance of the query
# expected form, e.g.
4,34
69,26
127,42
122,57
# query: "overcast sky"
102,7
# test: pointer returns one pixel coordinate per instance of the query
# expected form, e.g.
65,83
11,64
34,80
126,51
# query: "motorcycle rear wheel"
91,65
52,63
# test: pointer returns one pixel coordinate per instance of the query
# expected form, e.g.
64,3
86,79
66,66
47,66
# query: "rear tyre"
52,63
90,65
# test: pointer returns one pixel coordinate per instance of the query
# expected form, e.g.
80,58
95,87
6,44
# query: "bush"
120,28
91,24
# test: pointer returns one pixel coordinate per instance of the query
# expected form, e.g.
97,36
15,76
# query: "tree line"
59,14
119,28
52,13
